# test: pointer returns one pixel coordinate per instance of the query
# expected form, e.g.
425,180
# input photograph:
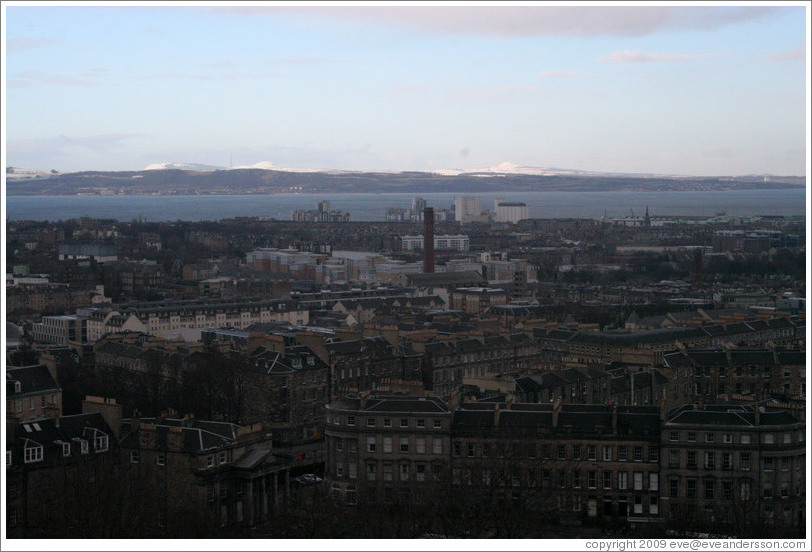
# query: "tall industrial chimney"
428,240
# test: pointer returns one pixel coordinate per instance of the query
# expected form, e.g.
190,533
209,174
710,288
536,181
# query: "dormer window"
83,445
65,448
33,452
18,388
100,443
311,361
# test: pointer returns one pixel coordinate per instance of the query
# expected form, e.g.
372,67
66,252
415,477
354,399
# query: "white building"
509,211
467,208
446,242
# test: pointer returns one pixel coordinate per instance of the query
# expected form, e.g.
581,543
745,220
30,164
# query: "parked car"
307,479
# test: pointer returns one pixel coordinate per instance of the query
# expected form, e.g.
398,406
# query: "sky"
643,88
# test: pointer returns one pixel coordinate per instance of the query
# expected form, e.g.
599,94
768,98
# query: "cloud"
39,78
798,54
634,56
27,43
557,74
62,144
517,21
215,77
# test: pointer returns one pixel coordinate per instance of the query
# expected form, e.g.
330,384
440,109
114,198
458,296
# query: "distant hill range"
173,181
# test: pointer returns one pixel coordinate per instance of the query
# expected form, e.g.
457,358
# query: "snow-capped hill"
268,166
507,168
16,173
182,167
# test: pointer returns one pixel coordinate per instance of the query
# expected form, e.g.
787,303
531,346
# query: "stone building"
736,468
385,448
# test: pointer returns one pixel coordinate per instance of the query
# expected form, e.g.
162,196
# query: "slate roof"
727,415
51,433
33,379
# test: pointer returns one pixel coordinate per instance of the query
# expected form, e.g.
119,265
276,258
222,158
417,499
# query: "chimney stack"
428,240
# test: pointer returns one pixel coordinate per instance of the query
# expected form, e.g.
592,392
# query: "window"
457,448
350,420
387,472
673,487
691,436
370,444
421,472
638,454
745,460
437,445
727,461
339,444
562,452
769,438
673,458
710,437
638,504
421,422
745,438
387,422
420,445
727,489
654,506
653,481
710,461
387,444
784,489
100,443
654,454
438,424
785,463
223,457
690,488
353,470
33,454
8,458
65,448
607,453
370,472
134,457
768,490
673,436
638,481
404,472
160,459
591,451
607,480
576,479
787,437
210,461
727,438
404,444
768,464
471,450
691,462
404,422
370,422
622,480
340,469
591,480
622,453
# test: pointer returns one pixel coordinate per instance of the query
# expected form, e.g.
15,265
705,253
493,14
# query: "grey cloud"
557,74
24,43
634,56
509,21
798,54
39,78
56,144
